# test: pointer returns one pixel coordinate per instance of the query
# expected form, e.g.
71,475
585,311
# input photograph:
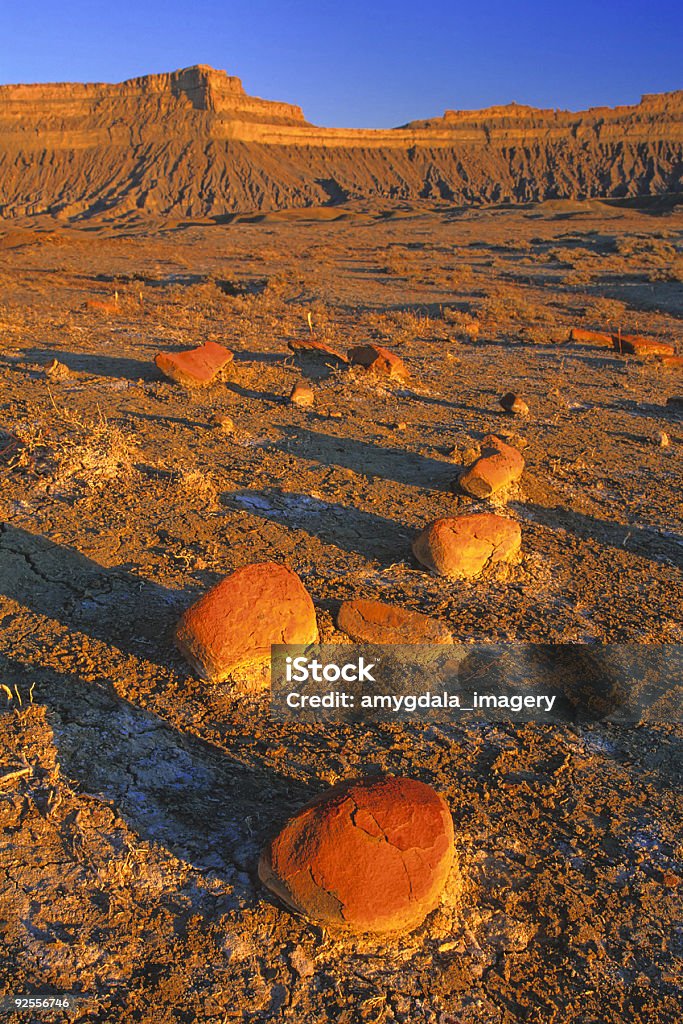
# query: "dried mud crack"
128,868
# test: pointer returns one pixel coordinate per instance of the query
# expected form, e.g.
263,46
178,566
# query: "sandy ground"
143,797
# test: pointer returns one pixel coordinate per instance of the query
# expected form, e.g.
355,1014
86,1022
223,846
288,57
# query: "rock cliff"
193,143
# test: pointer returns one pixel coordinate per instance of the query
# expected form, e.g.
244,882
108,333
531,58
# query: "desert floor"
135,799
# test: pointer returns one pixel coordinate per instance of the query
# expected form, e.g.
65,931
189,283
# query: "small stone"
514,405
302,395
195,367
399,426
498,466
319,349
581,337
56,370
223,422
379,360
367,856
675,402
462,547
304,967
374,622
232,627
636,345
662,439
336,415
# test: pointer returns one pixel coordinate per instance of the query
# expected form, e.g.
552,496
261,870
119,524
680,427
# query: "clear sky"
361,64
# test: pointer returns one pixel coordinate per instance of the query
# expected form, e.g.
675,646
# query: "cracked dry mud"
130,846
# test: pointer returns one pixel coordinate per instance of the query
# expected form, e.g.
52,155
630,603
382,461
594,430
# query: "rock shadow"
171,787
366,458
647,543
95,364
364,533
111,605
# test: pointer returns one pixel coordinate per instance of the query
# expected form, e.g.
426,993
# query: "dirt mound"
193,143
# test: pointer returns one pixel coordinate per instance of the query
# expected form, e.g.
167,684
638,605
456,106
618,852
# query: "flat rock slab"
498,466
196,367
379,360
315,349
374,622
232,627
635,345
463,546
581,337
368,856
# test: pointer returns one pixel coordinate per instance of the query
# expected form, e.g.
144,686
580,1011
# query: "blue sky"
361,64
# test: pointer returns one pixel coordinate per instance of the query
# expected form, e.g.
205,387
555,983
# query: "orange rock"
463,546
231,628
498,466
374,622
379,360
196,366
673,362
102,306
368,856
302,394
635,345
308,347
582,337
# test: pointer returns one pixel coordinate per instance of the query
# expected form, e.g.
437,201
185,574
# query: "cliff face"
193,143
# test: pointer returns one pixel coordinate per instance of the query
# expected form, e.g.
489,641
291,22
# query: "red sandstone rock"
374,622
379,360
102,306
231,628
463,546
194,367
302,394
672,362
308,347
368,856
498,466
635,345
582,337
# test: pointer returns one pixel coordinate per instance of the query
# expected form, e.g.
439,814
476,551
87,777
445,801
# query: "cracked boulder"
196,367
229,631
367,856
374,622
463,546
379,360
497,468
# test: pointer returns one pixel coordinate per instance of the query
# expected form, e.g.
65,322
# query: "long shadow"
261,396
111,605
96,364
364,533
366,458
646,543
171,787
